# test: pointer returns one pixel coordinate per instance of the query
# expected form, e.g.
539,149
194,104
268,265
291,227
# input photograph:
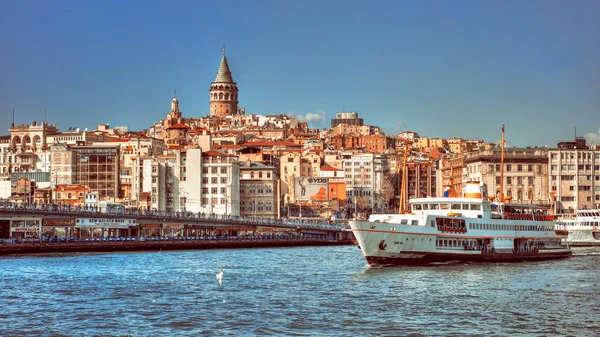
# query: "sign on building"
106,223
311,188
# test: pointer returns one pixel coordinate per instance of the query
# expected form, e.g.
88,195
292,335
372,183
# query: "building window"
519,168
509,180
214,190
153,169
530,180
508,167
223,169
154,179
213,180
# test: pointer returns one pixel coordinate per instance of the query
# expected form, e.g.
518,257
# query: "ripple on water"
308,291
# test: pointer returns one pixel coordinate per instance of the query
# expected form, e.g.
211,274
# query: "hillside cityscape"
274,166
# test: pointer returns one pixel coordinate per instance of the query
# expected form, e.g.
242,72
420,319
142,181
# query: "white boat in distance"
584,230
471,228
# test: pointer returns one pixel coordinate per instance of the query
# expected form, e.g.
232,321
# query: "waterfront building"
210,182
525,173
223,92
131,147
452,173
97,168
289,166
421,178
25,151
73,195
76,136
359,175
337,183
63,165
259,190
574,176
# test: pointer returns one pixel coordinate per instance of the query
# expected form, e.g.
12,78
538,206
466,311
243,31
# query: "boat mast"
501,196
404,176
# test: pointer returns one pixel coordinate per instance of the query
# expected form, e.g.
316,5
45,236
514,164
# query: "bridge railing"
145,214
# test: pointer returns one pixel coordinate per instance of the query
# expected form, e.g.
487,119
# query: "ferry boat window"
417,207
434,206
465,207
414,222
455,206
443,206
432,223
475,207
404,221
425,207
486,207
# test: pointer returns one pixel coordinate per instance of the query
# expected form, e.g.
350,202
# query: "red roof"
213,153
329,168
271,144
178,126
230,146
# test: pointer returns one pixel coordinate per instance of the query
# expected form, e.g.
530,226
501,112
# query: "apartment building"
211,182
574,176
259,190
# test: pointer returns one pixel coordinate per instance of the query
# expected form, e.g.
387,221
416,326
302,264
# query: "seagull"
160,251
155,298
220,277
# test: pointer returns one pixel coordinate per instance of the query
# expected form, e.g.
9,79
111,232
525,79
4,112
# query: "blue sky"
439,68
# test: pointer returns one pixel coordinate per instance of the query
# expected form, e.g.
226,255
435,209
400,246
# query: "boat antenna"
404,177
501,196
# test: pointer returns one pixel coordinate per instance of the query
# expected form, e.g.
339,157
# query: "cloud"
593,138
394,130
314,118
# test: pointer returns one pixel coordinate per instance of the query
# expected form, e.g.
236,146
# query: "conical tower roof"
224,75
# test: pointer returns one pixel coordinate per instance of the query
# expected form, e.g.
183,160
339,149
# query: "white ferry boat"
584,230
471,228
460,229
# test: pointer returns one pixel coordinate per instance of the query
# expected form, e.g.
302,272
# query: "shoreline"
84,247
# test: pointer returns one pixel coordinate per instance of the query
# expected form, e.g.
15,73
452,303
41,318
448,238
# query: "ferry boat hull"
583,237
422,258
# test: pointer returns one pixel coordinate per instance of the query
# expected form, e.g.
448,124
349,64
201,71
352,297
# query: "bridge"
22,220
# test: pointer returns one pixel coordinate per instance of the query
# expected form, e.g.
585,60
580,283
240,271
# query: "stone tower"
223,92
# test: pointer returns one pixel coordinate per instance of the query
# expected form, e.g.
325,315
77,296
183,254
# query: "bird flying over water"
155,298
220,277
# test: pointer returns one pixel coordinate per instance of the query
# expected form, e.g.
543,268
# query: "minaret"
223,92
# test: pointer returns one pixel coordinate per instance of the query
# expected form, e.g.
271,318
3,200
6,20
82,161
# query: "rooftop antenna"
175,93
223,49
13,122
44,114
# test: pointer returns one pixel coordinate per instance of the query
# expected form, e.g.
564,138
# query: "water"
308,291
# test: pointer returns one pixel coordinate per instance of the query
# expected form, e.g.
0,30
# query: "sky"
439,68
